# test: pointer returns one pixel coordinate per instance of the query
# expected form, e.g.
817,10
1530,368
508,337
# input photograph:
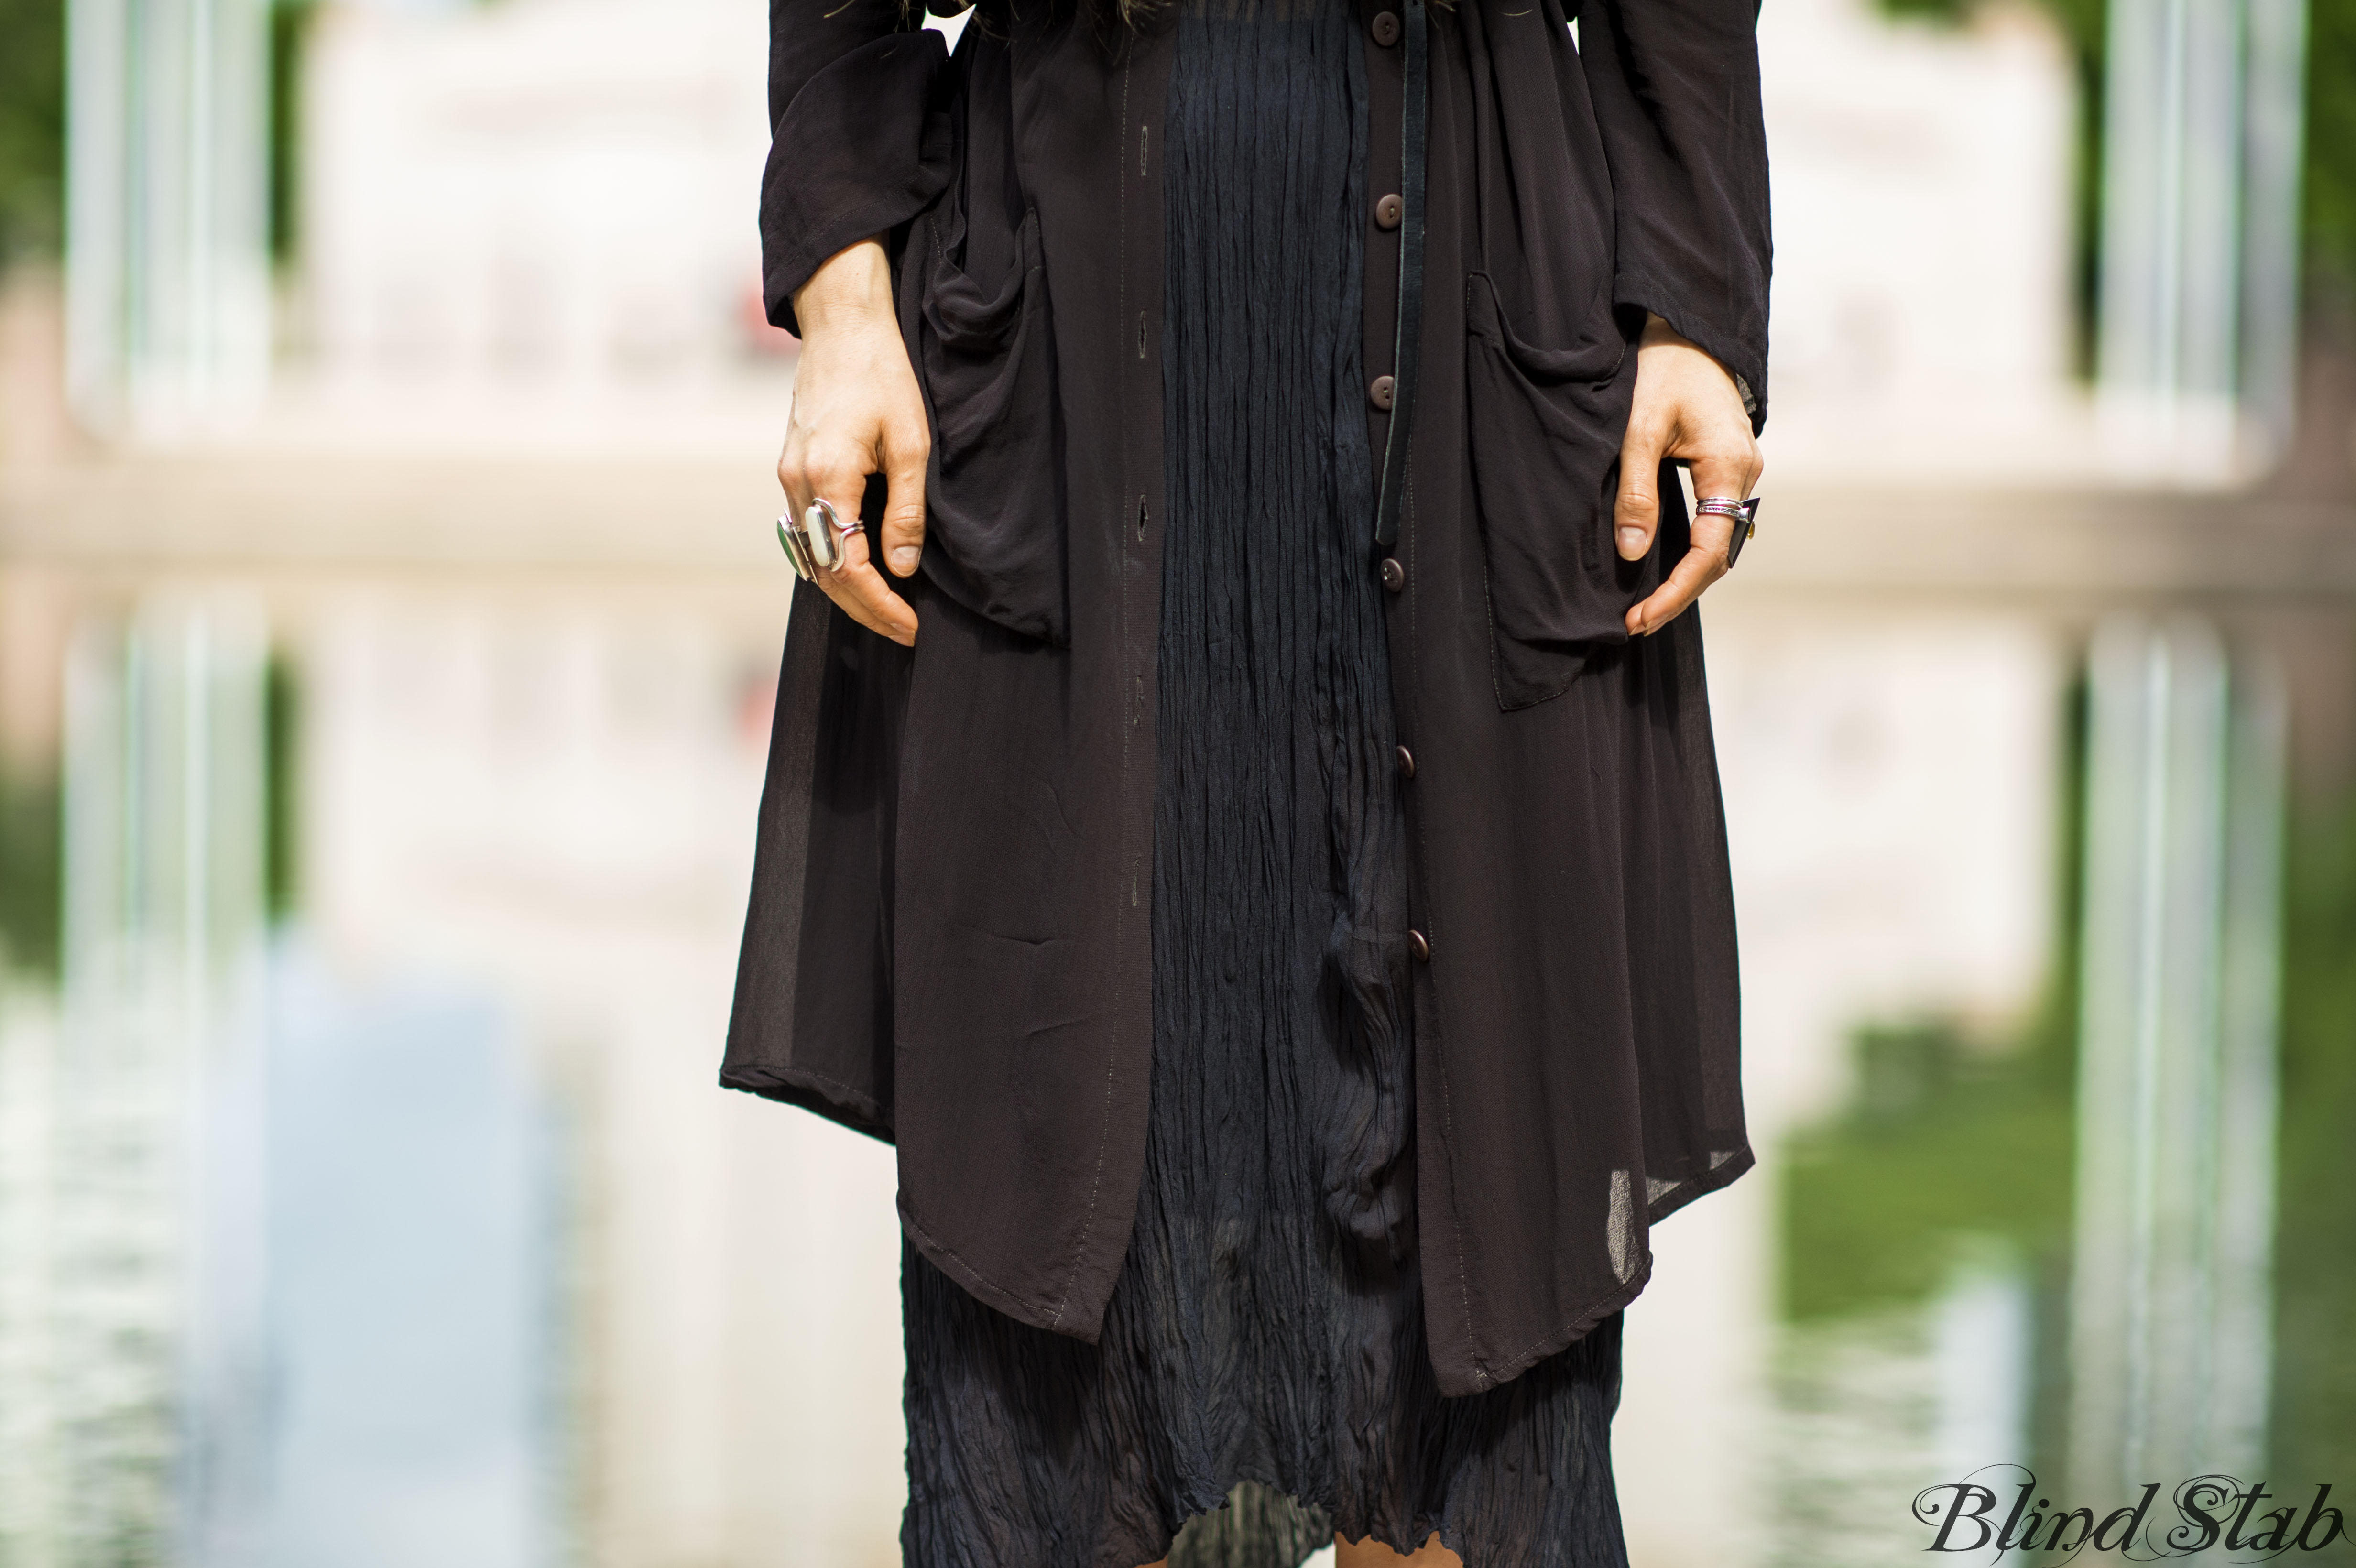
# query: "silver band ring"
1744,512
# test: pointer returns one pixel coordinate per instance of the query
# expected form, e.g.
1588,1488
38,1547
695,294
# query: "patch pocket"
1546,426
995,491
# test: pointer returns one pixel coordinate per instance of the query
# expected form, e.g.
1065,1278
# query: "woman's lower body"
1264,1348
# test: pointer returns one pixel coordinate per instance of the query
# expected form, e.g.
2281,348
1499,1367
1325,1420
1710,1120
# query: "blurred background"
387,626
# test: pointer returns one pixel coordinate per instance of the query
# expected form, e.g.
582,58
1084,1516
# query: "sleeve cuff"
1743,355
860,149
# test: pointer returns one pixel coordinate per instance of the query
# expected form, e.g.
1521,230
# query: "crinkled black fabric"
1264,1346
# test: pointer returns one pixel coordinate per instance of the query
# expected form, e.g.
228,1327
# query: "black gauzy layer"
1264,1348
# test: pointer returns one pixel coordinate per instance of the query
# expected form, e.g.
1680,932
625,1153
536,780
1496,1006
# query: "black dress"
1264,1346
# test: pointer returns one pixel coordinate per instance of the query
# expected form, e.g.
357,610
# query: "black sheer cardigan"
947,944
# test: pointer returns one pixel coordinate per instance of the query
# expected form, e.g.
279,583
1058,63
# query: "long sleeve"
858,141
1675,89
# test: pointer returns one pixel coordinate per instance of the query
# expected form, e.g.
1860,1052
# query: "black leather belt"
1414,116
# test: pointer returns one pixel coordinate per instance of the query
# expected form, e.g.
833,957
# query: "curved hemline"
1035,1314
1702,1186
814,1093
1580,1327
1589,1317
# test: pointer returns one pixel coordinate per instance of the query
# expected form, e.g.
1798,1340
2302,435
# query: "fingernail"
903,560
1632,541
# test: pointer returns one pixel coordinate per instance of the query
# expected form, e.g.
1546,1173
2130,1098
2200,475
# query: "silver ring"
815,543
1744,512
824,532
789,536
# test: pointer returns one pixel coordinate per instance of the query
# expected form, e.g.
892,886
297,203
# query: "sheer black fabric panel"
1262,1371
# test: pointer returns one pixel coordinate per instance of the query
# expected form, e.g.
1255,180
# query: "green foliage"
2315,1248
31,884
2331,144
281,716
290,24
32,126
1949,1139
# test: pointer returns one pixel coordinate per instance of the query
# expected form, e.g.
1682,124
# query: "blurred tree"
1949,1137
32,127
280,717
31,880
290,23
2331,144
2314,1268
2315,1257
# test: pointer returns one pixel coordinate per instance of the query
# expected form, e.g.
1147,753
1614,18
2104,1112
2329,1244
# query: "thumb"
1636,515
906,452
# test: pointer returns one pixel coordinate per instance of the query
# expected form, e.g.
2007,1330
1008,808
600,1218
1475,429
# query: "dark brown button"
1406,762
1388,211
1393,574
1421,948
1379,394
1385,28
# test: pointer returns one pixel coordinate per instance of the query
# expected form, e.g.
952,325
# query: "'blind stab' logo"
2206,1511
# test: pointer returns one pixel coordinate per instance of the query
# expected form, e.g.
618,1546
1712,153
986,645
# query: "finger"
1637,514
866,597
905,452
793,477
837,475
1704,564
1729,468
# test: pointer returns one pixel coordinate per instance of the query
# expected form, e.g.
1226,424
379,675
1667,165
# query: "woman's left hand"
1687,407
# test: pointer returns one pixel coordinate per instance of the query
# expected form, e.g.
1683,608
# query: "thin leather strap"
1414,121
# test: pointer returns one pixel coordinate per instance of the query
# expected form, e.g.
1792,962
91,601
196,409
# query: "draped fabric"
1262,1368
951,938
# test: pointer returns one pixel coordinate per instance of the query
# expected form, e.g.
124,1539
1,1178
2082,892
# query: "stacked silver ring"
1744,512
819,542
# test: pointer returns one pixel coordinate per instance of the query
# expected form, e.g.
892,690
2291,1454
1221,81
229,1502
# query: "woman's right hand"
857,411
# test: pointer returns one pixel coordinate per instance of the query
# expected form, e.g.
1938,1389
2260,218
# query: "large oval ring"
825,534
1745,514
